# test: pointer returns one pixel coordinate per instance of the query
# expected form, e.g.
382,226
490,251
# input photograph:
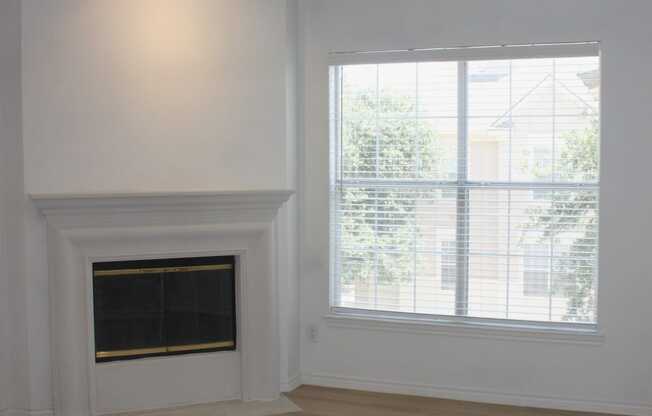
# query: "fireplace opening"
148,308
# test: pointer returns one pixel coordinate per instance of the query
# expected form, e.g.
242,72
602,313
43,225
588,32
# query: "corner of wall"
14,363
288,218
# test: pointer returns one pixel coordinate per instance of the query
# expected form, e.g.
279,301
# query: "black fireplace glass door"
199,307
145,308
128,312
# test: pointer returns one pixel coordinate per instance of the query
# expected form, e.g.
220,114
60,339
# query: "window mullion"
462,222
417,174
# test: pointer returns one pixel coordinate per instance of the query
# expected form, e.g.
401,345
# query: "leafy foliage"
574,213
380,145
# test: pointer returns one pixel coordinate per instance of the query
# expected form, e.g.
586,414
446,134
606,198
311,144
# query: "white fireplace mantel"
265,202
82,228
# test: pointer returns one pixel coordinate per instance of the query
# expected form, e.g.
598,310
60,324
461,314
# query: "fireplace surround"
87,229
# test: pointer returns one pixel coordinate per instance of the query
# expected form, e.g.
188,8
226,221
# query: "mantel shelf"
58,201
57,204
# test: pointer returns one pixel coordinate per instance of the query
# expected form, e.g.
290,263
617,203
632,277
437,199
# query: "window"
453,171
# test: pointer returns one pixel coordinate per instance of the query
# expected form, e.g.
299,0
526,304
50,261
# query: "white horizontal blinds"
534,110
399,131
533,179
390,126
511,236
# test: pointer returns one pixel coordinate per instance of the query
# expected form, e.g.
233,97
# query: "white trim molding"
291,383
474,395
461,328
254,204
85,228
25,412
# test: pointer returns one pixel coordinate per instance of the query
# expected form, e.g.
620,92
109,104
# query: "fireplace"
150,308
86,230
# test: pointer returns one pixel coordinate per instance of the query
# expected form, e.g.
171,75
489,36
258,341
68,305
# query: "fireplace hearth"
151,308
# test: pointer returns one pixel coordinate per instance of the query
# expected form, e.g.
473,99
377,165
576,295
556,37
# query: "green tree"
382,140
573,214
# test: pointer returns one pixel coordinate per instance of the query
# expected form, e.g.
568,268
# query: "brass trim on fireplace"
204,346
160,350
153,270
126,353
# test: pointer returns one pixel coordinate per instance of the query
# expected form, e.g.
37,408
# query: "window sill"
505,331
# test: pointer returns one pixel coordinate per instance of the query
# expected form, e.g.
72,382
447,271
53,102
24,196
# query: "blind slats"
490,211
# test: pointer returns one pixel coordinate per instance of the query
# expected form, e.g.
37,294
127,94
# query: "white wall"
154,95
13,358
616,375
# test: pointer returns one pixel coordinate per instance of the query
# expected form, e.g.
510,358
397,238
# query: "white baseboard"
291,383
484,396
25,412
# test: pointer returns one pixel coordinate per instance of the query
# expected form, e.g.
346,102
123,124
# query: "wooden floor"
322,401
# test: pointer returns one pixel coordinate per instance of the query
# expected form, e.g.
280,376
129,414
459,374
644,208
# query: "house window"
448,265
536,270
457,160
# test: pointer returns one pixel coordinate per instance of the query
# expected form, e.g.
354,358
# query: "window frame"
461,184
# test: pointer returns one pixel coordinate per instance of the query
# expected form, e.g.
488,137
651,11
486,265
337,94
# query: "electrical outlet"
313,333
